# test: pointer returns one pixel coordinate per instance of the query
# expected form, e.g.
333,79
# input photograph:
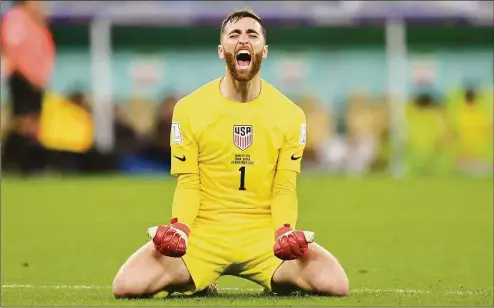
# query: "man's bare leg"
148,272
319,272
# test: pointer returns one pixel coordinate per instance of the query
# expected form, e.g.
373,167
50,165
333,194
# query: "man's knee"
146,273
123,287
334,285
325,275
133,287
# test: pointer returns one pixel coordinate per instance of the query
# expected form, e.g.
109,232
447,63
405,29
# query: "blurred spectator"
363,133
126,139
163,122
79,98
428,135
319,131
382,105
158,148
28,57
473,125
69,114
4,121
140,115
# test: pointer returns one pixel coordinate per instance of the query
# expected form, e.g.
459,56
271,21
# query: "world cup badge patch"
242,136
177,135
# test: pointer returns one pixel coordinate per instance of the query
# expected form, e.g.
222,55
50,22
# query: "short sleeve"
184,149
293,146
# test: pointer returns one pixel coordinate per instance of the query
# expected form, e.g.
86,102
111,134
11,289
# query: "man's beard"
255,66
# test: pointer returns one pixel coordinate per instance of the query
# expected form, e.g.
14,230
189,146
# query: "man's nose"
243,40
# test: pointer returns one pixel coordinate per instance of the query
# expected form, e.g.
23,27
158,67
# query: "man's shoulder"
281,102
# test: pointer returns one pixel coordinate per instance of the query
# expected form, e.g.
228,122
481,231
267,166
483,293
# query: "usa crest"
242,136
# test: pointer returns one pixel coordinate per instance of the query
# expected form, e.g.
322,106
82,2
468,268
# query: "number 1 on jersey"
242,178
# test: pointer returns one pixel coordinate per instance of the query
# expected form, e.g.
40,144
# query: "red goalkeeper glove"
291,244
170,240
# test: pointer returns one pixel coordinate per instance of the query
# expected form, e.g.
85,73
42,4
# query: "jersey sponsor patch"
242,136
303,134
176,134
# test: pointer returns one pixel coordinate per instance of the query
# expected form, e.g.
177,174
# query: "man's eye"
253,36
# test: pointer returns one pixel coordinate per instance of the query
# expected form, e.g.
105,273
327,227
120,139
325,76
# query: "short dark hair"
239,14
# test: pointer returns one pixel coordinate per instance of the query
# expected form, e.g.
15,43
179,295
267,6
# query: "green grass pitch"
413,242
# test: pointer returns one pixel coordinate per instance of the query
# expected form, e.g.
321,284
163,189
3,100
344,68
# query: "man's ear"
221,52
265,52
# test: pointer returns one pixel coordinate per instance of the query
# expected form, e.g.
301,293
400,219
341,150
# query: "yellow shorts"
246,252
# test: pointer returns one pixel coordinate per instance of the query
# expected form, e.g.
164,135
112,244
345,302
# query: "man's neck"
240,91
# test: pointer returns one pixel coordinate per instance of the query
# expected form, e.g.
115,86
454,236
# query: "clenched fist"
170,240
291,244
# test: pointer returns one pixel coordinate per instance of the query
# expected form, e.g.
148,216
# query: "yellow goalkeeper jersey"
236,149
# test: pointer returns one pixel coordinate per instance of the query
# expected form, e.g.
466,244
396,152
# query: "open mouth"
243,59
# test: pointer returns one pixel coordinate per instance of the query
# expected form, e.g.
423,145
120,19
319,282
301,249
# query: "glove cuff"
180,226
282,230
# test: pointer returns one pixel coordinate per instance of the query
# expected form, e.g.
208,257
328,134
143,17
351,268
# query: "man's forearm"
284,207
187,198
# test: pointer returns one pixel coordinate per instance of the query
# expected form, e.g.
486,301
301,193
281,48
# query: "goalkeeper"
237,145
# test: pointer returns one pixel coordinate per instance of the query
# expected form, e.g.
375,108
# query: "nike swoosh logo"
295,158
180,158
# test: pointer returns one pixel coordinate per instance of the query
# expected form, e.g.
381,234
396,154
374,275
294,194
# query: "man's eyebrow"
235,31
252,31
249,31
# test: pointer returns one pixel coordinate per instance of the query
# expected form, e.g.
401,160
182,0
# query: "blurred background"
395,87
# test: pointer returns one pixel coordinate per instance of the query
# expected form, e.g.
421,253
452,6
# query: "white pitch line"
362,290
30,286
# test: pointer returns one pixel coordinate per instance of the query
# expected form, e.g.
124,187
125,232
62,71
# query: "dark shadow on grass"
243,295
228,295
